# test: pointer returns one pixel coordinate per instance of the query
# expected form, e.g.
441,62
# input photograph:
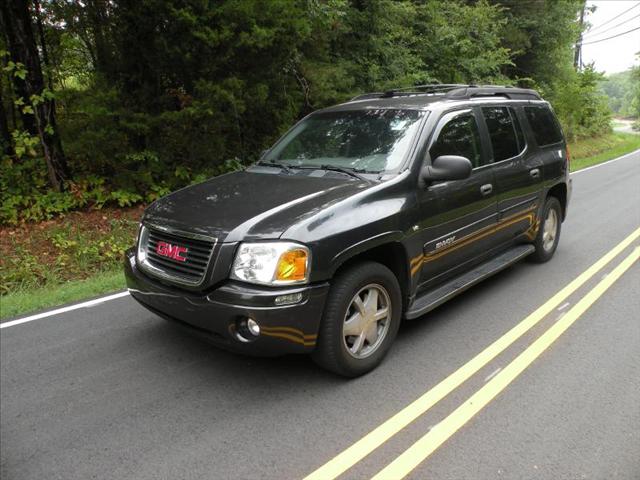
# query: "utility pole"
577,54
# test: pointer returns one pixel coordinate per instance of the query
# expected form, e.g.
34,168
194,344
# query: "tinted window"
501,132
459,136
544,125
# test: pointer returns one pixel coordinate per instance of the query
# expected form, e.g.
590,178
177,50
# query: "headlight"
272,263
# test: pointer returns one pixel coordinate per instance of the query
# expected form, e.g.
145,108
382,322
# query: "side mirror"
447,167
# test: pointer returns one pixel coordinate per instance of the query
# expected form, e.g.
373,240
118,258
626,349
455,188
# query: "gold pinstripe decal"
292,334
475,236
306,343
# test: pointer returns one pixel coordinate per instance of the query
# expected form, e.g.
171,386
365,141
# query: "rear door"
517,170
457,216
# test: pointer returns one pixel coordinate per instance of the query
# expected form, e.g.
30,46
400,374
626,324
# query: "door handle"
486,189
535,173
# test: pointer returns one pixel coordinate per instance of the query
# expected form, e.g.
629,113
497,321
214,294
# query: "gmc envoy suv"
362,215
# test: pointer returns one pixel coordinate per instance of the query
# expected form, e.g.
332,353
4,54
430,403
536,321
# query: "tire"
357,354
548,236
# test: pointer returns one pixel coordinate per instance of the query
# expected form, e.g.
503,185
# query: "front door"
458,217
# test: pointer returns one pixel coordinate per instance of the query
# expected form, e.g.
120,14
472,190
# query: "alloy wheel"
550,230
366,321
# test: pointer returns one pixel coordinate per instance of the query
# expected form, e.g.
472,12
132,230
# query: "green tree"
26,73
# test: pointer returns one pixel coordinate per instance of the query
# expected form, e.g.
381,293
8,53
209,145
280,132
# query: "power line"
609,38
598,27
588,34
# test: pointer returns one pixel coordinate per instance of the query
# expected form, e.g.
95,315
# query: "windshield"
363,140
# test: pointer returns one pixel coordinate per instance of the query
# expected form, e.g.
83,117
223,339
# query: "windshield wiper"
272,163
352,172
349,171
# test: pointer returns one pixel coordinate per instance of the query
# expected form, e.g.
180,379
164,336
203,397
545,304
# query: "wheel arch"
391,253
559,191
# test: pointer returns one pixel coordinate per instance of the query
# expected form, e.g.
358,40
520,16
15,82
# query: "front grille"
190,271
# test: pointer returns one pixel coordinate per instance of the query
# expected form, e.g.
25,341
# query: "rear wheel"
361,320
548,236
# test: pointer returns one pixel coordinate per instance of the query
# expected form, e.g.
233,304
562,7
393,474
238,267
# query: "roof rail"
415,90
456,91
474,91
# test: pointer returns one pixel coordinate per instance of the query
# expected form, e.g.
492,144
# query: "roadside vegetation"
591,151
106,106
32,300
623,93
71,257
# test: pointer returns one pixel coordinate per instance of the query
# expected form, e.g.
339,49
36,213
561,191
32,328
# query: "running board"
434,298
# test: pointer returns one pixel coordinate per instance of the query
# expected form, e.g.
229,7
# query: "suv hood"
250,205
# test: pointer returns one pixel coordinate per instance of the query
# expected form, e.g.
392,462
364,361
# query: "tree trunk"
98,20
19,85
43,44
16,21
5,137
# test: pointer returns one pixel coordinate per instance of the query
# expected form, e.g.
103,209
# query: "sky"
617,54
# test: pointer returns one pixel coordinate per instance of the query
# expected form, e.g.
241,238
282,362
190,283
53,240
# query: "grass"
591,151
79,255
69,258
33,299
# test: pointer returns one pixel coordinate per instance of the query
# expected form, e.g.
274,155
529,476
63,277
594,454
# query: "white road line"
605,163
563,306
58,311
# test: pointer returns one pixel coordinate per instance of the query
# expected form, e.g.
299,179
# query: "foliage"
26,300
580,105
591,151
71,248
153,95
540,35
635,98
621,89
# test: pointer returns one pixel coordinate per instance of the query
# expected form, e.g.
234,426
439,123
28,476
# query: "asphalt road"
113,392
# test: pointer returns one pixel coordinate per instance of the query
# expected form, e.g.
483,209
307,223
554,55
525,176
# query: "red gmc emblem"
172,251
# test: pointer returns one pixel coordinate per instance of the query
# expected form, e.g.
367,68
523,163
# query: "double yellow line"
426,445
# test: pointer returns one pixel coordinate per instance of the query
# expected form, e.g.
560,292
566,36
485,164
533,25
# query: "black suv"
363,214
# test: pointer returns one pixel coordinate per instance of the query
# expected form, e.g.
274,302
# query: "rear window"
544,125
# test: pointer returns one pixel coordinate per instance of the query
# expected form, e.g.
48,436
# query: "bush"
580,105
25,196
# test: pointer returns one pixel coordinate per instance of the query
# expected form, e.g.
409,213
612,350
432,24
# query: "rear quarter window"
544,125
502,132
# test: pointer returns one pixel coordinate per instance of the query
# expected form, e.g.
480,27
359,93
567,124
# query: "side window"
544,125
460,136
501,132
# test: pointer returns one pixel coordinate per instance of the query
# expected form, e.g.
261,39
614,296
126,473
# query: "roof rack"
512,93
456,91
407,91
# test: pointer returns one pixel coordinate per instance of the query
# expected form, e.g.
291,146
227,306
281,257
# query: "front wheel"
548,236
360,321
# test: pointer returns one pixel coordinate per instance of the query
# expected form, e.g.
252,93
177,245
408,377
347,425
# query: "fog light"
288,299
253,327
247,329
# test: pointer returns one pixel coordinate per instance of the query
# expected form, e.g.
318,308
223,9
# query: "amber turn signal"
292,266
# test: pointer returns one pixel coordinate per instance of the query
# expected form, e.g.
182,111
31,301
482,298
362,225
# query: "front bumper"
214,315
